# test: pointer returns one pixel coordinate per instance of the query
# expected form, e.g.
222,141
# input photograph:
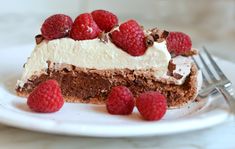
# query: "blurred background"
208,22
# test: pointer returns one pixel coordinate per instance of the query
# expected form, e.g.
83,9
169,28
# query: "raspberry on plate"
178,43
46,98
84,27
130,38
56,26
120,101
151,105
105,19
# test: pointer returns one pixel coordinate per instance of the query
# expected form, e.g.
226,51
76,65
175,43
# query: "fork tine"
212,77
203,76
217,69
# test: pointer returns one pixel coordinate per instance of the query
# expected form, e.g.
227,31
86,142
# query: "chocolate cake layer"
93,86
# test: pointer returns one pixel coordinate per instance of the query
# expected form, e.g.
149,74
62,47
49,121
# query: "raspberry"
151,105
130,38
178,43
46,98
104,19
120,101
56,26
84,27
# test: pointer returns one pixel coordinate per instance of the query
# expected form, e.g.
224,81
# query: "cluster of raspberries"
129,36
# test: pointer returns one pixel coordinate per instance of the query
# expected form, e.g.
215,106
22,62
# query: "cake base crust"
93,86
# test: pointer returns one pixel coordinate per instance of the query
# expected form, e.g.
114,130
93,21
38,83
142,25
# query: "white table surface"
218,137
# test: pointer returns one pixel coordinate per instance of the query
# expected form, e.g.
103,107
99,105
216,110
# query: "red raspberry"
46,98
84,27
178,43
56,26
151,105
130,37
104,19
120,101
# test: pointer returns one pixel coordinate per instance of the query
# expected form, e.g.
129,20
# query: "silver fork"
214,79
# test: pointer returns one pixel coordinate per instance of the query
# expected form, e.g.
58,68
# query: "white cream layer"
94,54
183,68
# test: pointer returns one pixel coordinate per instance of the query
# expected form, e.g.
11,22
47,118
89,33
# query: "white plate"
93,120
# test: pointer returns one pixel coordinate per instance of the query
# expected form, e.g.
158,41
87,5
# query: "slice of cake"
91,55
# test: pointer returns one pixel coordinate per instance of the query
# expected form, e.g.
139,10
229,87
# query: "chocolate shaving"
177,76
155,36
159,35
103,37
149,41
39,38
165,34
171,67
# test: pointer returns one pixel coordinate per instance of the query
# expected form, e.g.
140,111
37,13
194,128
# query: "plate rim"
183,125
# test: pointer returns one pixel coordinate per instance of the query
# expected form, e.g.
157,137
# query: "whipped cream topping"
183,68
94,54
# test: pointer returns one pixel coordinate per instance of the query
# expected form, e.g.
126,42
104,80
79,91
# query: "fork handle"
229,97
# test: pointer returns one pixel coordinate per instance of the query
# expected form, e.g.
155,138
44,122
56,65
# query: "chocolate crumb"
103,37
39,38
149,41
177,76
171,67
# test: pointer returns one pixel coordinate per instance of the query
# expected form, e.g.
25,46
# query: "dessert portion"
93,54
